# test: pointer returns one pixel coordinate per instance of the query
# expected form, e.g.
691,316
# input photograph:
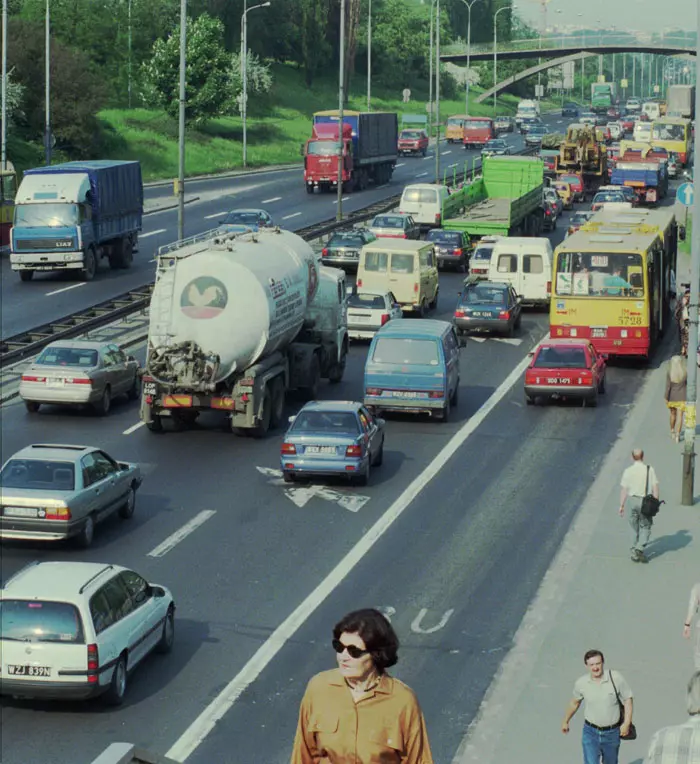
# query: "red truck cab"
321,156
477,131
413,141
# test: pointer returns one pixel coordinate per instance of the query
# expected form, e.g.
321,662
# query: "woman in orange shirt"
357,712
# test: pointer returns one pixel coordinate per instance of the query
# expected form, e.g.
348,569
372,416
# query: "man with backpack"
640,489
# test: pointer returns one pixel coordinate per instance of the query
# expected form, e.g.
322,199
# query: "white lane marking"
195,734
172,541
453,165
65,289
344,199
293,215
421,175
269,201
477,339
430,156
133,428
301,496
445,153
215,215
151,233
400,164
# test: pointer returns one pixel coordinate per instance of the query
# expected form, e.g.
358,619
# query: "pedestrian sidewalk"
594,596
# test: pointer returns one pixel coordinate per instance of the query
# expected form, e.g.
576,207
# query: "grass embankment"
277,126
684,246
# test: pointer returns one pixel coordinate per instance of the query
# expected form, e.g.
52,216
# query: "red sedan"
413,142
565,368
627,123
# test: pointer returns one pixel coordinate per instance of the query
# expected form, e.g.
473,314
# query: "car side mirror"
292,419
531,354
520,297
130,358
681,233
380,422
157,591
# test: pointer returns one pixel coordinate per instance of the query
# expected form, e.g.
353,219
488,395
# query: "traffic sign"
657,89
623,84
685,194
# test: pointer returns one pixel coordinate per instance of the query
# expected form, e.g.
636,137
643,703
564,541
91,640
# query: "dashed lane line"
182,533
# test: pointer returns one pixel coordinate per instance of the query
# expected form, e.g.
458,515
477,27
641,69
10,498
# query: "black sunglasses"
353,651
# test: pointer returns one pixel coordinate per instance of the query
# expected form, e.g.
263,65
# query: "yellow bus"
454,128
673,134
8,189
608,287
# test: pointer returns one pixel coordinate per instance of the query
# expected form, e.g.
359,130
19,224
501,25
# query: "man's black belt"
603,729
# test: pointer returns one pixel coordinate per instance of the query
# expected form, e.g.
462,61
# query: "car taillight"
459,313
30,378
549,287
416,287
530,377
438,219
548,212
79,381
353,451
436,394
586,376
324,252
504,314
58,513
403,235
289,449
93,664
385,318
359,282
457,251
373,391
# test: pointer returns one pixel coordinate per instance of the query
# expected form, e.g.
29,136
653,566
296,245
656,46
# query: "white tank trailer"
237,321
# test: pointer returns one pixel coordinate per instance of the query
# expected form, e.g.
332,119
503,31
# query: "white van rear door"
534,278
505,266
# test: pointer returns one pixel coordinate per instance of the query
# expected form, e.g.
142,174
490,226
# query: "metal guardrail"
31,342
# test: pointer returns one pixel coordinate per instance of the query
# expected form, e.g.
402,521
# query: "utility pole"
341,98
430,74
437,92
687,492
47,89
129,58
369,54
181,123
3,117
244,73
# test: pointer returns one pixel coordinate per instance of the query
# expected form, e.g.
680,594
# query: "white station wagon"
74,630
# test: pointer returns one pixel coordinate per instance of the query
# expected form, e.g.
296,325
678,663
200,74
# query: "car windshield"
242,218
484,295
608,196
345,240
607,274
444,237
40,621
496,144
367,301
323,148
560,358
667,131
477,124
425,195
455,121
399,350
388,221
49,215
64,356
538,130
483,252
330,422
411,134
38,474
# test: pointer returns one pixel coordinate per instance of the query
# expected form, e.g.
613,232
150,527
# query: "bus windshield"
668,131
599,274
477,124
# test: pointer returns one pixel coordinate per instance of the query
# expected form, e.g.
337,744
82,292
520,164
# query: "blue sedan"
333,438
246,219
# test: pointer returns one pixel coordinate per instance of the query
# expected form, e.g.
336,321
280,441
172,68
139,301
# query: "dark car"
487,306
343,247
495,147
601,120
248,219
451,248
534,135
613,113
569,110
527,123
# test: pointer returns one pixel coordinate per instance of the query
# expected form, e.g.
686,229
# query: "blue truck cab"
413,366
68,216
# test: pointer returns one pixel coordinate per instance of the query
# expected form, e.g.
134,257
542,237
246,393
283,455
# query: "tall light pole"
583,60
181,123
244,73
369,54
495,49
437,92
3,116
341,99
687,493
430,73
47,89
469,52
128,66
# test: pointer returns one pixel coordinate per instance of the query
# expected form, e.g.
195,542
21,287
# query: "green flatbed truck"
506,200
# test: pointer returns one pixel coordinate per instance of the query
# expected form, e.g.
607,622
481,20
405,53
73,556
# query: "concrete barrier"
126,753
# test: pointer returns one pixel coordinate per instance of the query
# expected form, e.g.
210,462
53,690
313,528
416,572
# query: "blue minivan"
413,366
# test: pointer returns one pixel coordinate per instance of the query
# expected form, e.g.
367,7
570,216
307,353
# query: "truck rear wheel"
337,371
26,275
310,391
277,393
260,430
89,265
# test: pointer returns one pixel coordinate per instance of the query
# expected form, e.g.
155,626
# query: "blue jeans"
600,743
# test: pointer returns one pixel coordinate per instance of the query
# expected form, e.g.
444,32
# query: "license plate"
359,319
149,388
28,670
598,332
406,394
558,381
20,512
319,450
56,382
479,314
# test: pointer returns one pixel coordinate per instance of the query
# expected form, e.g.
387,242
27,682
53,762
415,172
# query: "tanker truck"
236,322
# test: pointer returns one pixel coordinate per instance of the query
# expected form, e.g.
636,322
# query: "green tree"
313,28
208,74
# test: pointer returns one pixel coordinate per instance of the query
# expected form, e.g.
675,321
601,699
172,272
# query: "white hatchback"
74,630
369,311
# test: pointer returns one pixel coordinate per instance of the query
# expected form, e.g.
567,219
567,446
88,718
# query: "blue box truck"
68,216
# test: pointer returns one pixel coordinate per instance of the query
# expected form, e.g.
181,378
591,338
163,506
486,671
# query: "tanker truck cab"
406,267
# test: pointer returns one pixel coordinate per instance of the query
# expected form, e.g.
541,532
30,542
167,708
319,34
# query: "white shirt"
634,479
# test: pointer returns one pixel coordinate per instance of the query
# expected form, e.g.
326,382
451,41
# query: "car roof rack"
92,578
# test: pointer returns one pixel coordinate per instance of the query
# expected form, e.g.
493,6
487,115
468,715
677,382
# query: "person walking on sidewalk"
638,480
693,607
680,744
676,393
603,725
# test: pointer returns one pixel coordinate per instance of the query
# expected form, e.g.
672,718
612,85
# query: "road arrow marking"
301,495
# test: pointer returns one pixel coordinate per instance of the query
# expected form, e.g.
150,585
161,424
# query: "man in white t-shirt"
638,480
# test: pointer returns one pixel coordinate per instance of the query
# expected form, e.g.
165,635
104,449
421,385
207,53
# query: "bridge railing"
580,42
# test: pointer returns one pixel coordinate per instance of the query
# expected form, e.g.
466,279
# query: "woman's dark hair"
593,654
376,632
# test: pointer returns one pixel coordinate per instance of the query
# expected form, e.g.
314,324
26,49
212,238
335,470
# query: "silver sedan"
80,372
54,492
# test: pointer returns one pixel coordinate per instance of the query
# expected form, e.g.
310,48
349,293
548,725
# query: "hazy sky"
644,15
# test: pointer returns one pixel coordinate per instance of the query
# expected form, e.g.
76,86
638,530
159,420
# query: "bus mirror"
681,233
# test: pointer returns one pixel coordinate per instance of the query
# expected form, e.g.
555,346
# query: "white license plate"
319,450
598,332
558,381
478,314
406,394
359,319
14,670
149,388
20,512
56,382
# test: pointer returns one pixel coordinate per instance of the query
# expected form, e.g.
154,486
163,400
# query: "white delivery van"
406,267
424,203
642,132
526,108
652,110
526,263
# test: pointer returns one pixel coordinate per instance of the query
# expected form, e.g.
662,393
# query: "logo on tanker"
203,297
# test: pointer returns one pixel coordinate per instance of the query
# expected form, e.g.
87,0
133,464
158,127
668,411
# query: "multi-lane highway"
451,537
51,296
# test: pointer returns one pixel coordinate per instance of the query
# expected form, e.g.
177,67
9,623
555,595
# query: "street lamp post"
47,89
369,53
3,117
129,55
341,98
181,123
437,92
244,73
495,49
469,51
430,73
